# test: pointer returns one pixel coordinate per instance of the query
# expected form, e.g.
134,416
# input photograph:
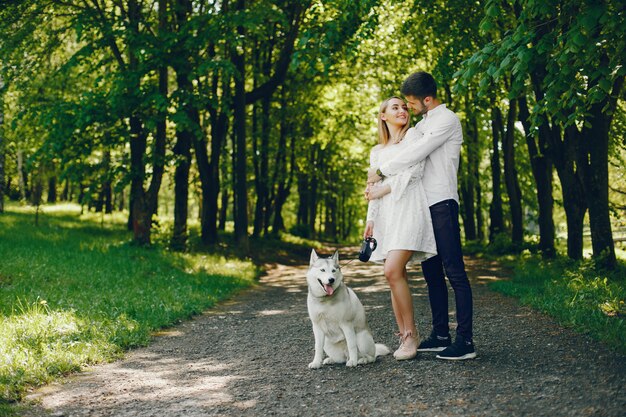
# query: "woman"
399,219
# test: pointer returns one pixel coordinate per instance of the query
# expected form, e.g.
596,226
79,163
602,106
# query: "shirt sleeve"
400,182
419,150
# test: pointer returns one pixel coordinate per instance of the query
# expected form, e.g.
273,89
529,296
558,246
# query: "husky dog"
338,317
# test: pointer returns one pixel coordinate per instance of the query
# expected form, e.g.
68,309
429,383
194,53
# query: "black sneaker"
460,350
434,343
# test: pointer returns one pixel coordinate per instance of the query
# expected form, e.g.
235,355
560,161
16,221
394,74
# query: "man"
441,149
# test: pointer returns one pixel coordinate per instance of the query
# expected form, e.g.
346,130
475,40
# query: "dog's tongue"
329,290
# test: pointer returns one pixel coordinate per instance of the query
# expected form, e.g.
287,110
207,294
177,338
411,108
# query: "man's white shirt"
440,142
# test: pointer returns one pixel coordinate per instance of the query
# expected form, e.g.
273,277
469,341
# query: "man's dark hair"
419,84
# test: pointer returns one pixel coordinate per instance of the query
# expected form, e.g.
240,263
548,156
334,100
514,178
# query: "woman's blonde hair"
383,130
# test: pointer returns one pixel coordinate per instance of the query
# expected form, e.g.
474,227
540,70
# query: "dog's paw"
351,363
315,365
328,361
366,359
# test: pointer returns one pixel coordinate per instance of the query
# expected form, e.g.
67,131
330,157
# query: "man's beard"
424,109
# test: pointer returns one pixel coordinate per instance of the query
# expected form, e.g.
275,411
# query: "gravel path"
249,357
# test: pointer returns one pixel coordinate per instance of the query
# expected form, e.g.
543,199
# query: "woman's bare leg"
402,301
396,313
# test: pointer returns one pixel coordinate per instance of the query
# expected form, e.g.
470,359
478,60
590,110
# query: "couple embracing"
413,214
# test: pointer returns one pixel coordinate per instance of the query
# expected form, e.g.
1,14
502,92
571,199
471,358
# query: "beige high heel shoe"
408,347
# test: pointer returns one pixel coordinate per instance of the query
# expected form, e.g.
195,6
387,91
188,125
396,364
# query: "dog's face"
324,275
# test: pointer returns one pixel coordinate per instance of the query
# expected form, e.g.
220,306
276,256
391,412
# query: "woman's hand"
369,229
374,192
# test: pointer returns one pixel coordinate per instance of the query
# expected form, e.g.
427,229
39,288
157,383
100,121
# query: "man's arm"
420,149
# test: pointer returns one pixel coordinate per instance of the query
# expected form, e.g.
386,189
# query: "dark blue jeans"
445,217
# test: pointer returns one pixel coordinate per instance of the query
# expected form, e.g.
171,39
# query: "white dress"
402,217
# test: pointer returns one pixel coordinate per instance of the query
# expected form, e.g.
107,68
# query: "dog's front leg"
319,347
353,350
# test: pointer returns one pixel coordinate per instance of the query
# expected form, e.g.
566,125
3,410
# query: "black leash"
346,263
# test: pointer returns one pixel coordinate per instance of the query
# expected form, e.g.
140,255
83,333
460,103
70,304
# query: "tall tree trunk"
224,194
594,162
22,176
107,189
511,176
185,132
143,203
239,128
182,152
283,172
541,165
480,221
563,149
52,189
261,182
2,145
470,174
496,215
209,165
141,213
574,201
283,191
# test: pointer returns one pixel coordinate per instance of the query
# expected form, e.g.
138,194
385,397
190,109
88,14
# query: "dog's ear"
336,257
314,257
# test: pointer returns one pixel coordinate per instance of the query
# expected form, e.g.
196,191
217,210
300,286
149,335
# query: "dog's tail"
382,350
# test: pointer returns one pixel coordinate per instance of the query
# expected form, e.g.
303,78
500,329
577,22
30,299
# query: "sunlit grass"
577,294
74,291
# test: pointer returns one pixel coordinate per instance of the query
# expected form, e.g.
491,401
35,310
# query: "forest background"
257,116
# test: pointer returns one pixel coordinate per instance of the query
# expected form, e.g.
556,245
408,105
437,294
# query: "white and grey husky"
338,317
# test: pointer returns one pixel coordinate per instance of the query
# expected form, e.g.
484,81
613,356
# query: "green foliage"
73,292
578,295
576,47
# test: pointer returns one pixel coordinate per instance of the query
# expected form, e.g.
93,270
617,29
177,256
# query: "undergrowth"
74,291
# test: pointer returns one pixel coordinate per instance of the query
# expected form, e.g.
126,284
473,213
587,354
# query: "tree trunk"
239,130
185,132
283,193
574,201
283,175
22,176
594,162
261,177
511,176
106,194
480,221
223,208
541,165
470,175
141,214
182,153
563,149
2,145
143,203
496,215
52,189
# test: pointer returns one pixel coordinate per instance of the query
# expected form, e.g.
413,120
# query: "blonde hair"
383,130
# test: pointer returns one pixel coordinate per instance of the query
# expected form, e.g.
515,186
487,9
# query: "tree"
2,144
555,47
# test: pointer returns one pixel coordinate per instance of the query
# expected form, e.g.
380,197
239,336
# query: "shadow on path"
249,356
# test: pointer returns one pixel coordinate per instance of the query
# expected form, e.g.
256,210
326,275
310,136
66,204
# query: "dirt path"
249,357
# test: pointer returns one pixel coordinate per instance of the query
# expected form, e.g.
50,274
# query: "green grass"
577,294
74,291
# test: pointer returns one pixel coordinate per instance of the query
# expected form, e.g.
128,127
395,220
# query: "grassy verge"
577,294
74,292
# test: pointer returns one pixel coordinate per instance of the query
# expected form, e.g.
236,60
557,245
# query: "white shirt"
441,150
